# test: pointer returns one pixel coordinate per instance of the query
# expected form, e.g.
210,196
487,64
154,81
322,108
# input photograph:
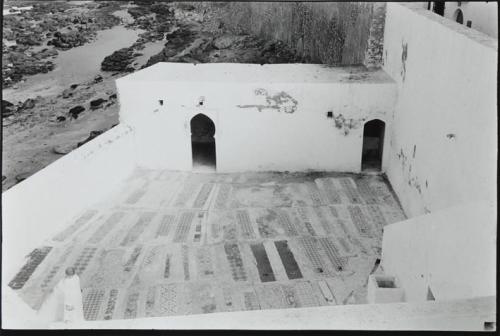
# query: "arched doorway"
459,16
203,142
373,145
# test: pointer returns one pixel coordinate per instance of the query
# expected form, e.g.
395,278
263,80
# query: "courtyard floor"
177,243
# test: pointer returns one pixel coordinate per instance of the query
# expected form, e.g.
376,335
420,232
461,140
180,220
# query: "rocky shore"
39,129
62,25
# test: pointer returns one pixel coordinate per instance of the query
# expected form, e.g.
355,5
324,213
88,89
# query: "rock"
98,79
63,149
92,135
112,96
4,178
118,61
28,39
28,104
95,104
75,111
223,42
61,118
68,40
73,86
8,109
67,93
23,64
23,176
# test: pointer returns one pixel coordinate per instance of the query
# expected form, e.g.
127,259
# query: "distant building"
481,15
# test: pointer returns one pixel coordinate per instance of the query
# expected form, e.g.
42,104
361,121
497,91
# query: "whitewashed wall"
247,139
452,251
40,206
444,133
484,15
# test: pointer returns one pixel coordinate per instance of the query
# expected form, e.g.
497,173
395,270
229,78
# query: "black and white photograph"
268,165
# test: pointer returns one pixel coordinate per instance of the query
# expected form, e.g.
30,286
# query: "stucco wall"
40,206
443,148
484,15
459,315
248,139
452,251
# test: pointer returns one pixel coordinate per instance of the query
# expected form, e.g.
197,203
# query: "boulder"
28,104
223,42
63,149
67,93
68,40
98,79
8,109
61,118
23,176
118,61
92,135
97,103
75,111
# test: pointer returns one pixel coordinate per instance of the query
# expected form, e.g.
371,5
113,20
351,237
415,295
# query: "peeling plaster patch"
346,124
404,57
281,101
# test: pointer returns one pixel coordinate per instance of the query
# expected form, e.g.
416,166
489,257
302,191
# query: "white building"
424,119
478,15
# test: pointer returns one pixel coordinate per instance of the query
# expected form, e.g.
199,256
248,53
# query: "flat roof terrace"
256,73
178,243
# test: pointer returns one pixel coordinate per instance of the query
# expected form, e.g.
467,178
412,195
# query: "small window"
161,102
469,23
329,114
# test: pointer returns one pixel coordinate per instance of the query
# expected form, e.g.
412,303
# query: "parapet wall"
451,253
39,207
444,134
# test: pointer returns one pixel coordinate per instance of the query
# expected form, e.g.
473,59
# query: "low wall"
260,125
452,252
463,315
444,133
40,206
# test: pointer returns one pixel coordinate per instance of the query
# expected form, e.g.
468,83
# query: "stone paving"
177,243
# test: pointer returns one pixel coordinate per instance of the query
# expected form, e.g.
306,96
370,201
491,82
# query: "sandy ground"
172,243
